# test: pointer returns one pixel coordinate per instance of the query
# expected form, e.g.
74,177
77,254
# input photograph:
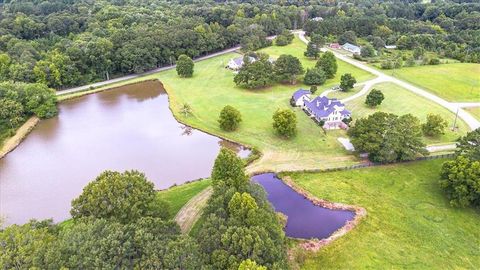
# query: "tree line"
65,43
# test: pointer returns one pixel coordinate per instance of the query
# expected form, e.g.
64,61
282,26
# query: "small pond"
128,128
305,220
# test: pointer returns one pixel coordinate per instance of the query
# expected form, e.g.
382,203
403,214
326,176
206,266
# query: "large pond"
128,128
305,220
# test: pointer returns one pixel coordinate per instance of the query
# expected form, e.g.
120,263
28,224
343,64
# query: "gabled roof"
239,60
348,46
299,93
323,106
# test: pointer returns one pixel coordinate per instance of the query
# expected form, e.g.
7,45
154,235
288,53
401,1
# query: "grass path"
192,210
410,224
12,142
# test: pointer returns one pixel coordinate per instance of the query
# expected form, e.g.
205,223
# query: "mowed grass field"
475,111
457,82
212,87
178,196
401,101
409,225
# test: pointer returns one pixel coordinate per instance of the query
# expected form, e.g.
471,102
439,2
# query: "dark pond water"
128,128
305,220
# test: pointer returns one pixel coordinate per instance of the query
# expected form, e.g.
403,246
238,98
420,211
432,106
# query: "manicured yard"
474,111
401,101
454,82
410,224
178,196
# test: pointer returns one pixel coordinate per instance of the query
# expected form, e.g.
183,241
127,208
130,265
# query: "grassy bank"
401,101
409,224
178,196
454,82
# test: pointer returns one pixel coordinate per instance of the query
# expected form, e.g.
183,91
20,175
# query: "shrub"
434,126
374,98
230,118
347,81
285,123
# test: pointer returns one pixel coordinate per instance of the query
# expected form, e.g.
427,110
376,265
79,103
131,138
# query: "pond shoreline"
20,134
316,244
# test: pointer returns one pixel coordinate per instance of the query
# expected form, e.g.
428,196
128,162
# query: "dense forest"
65,43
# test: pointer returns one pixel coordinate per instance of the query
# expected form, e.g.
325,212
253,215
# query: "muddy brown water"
127,128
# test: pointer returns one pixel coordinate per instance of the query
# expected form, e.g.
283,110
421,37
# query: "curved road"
382,77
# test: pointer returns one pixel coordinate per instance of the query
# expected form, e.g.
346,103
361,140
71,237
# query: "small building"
390,47
328,111
300,97
351,48
335,46
237,63
317,19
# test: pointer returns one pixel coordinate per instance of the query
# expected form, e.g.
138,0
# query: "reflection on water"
129,128
305,220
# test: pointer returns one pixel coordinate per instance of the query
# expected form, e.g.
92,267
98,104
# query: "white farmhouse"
237,63
330,112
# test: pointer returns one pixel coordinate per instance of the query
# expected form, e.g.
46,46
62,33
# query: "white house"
330,112
237,63
299,98
351,48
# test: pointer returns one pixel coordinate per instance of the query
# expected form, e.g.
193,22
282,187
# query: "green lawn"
454,82
409,225
178,196
474,111
401,101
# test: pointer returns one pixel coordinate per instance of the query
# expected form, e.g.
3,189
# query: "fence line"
372,164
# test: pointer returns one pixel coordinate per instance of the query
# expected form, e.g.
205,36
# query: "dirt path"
12,142
192,210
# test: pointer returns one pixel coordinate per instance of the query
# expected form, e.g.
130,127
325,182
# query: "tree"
315,76
257,74
123,197
374,98
11,111
460,178
367,51
287,68
347,37
434,126
418,53
27,246
228,170
186,109
250,265
387,137
281,40
184,66
285,123
229,118
469,145
347,81
312,50
328,64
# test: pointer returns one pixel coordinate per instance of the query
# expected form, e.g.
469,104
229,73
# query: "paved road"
382,77
133,76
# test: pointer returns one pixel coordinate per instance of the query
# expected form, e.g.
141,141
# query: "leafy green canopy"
374,98
122,197
230,118
184,66
328,63
239,222
388,137
285,123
